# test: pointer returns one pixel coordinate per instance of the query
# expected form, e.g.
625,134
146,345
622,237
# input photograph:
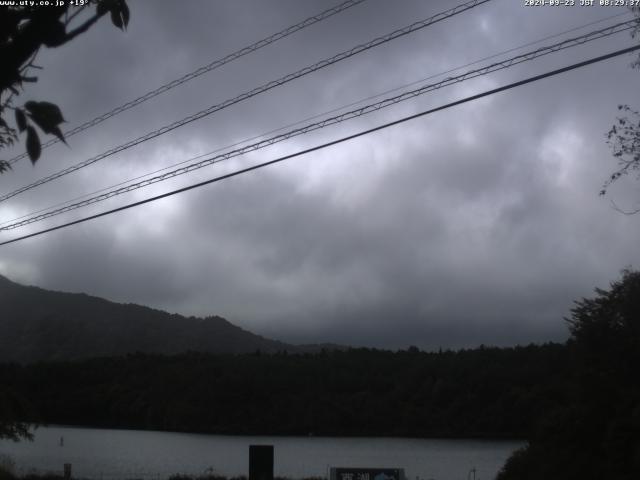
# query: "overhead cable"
201,71
331,143
267,86
569,43
313,117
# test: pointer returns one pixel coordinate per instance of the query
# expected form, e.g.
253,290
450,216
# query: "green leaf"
46,112
116,19
124,8
119,12
33,144
21,120
47,116
58,133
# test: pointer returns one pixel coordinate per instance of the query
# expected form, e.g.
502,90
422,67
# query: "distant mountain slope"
41,325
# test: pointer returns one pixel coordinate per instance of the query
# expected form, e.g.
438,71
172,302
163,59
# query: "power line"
267,86
202,70
331,143
337,119
318,115
569,43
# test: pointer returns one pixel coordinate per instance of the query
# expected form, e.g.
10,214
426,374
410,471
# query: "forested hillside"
41,325
486,392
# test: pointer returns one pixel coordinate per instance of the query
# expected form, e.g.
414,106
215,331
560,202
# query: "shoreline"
478,437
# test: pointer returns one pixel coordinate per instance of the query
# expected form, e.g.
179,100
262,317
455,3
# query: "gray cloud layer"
479,224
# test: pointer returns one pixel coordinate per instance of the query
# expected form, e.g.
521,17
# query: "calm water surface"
108,454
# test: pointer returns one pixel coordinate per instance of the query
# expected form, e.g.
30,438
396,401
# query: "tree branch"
75,14
83,28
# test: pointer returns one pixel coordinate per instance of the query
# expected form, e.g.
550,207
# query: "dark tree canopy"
594,432
611,319
485,392
24,30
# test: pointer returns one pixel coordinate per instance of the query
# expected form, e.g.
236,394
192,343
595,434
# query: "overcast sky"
478,224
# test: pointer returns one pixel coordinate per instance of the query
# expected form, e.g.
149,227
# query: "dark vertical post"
260,462
67,471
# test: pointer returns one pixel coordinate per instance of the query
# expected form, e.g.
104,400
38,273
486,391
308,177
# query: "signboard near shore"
339,473
260,462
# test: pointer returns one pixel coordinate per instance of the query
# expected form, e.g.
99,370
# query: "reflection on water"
98,453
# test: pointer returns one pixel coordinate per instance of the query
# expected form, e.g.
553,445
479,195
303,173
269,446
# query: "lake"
110,454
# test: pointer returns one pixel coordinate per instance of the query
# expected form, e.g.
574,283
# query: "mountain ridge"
43,325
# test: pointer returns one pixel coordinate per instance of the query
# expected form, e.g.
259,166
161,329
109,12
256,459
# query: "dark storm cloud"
479,224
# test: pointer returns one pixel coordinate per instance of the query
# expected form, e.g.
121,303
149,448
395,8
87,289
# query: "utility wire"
331,143
267,86
318,115
313,117
569,43
201,71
